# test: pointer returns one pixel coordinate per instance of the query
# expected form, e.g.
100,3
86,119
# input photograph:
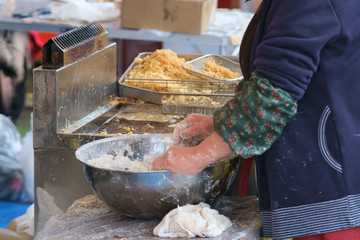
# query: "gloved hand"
192,160
193,129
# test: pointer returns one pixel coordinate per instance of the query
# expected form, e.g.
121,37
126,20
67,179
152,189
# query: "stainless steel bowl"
151,194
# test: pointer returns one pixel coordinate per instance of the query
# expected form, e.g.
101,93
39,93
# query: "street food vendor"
298,112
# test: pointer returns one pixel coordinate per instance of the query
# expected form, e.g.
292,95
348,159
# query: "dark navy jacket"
309,180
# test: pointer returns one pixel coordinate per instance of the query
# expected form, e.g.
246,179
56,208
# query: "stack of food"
163,71
162,64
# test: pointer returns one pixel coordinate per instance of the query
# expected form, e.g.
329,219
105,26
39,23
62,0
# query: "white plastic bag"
25,223
27,162
84,11
10,145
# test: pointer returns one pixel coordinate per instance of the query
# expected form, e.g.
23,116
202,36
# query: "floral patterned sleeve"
255,117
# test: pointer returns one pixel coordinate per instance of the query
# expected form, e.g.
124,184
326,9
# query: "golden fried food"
162,64
212,69
157,71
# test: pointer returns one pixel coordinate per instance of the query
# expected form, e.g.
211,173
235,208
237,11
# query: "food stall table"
89,218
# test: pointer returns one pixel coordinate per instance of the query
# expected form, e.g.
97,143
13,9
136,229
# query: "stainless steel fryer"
64,99
79,102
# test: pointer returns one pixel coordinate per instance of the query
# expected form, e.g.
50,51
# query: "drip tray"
132,118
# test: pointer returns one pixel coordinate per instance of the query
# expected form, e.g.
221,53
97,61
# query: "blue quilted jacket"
309,180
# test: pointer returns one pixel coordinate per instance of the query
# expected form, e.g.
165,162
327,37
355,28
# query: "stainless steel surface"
64,96
64,99
73,45
60,175
219,92
152,194
199,63
86,86
132,118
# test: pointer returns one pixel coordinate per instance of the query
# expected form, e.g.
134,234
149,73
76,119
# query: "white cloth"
191,221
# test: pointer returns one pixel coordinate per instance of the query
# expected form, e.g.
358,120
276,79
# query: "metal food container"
181,93
152,194
198,63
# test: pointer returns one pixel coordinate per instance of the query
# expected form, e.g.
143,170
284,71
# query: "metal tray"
198,64
216,91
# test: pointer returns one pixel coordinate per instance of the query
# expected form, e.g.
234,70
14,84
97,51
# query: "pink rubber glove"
192,160
193,129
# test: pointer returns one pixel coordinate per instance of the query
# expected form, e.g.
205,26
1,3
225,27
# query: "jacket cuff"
252,121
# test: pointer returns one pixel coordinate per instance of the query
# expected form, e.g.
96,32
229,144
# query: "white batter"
120,163
191,221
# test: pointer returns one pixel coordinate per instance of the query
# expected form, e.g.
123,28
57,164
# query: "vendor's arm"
249,124
191,160
193,129
255,117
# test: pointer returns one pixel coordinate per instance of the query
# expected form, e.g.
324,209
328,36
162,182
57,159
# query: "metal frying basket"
195,67
179,92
